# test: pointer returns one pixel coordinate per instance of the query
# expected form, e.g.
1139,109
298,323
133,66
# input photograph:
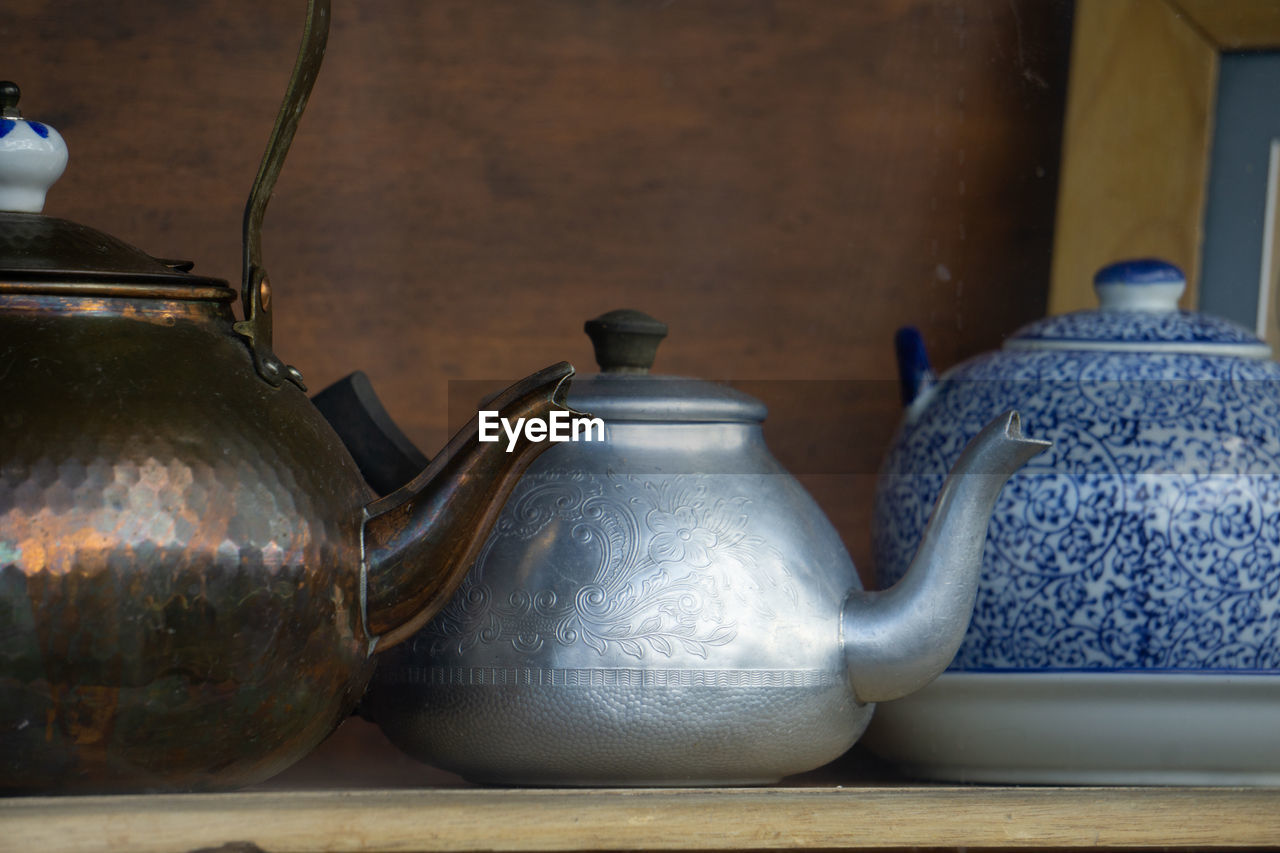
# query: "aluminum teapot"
668,606
194,576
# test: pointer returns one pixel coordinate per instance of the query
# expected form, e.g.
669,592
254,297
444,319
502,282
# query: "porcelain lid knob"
32,156
1143,284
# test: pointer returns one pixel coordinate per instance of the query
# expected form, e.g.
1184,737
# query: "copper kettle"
194,576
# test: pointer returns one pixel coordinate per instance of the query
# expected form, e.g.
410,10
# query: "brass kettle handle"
255,290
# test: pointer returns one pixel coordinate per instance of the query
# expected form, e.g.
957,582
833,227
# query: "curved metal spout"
898,640
419,541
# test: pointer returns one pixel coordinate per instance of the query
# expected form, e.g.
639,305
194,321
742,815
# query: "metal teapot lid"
626,343
1138,312
41,253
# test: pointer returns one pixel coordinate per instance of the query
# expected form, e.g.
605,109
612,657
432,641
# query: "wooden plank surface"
721,819
1135,144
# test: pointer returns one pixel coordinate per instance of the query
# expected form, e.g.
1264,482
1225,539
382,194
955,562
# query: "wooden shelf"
653,819
358,793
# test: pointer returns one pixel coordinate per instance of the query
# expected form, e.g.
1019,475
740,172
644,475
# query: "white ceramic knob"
32,156
1145,284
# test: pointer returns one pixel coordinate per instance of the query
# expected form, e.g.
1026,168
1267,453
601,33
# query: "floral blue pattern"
1136,327
1147,538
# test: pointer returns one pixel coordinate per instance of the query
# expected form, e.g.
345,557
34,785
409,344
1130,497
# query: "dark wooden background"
783,181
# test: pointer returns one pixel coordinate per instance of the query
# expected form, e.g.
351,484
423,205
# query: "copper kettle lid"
38,248
35,248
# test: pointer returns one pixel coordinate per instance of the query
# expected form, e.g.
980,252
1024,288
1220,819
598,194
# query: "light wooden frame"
1139,125
877,817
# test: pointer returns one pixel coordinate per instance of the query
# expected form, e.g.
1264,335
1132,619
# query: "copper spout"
419,541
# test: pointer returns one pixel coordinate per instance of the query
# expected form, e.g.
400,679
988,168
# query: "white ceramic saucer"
1105,728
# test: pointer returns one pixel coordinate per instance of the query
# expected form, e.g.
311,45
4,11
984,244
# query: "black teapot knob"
626,341
10,94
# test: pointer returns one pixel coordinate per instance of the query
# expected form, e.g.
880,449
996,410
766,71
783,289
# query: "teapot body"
1146,539
661,603
193,573
661,607
179,552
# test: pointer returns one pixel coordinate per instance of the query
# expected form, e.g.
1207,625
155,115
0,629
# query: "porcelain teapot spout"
898,640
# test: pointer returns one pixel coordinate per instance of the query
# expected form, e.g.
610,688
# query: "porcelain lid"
626,343
1138,312
36,249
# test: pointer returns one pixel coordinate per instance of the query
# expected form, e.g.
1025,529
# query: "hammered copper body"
176,570
184,602
193,575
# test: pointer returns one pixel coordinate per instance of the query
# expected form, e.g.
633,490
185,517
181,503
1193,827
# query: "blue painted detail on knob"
1131,322
6,125
41,130
1139,271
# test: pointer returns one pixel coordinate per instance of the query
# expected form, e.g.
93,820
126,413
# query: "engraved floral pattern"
677,538
1147,538
646,566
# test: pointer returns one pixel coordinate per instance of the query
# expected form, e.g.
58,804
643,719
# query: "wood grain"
1135,145
1235,24
721,819
783,182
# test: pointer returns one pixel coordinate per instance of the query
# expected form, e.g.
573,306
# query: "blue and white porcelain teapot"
1148,537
